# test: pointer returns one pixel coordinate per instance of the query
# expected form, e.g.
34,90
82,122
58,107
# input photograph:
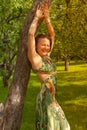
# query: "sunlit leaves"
12,15
70,24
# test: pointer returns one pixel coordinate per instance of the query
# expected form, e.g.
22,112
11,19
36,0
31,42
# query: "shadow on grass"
71,95
62,63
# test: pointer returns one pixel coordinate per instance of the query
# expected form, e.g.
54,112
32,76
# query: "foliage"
69,19
70,23
13,13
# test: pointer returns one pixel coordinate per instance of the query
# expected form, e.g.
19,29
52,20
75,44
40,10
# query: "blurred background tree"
70,22
12,14
69,19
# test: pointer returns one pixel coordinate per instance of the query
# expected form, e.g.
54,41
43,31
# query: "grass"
71,95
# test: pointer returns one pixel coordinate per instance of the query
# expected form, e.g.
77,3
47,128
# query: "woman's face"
43,46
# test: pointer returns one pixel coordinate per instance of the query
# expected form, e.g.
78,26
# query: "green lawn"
71,95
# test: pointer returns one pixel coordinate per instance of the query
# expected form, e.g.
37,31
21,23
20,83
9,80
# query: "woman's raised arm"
31,35
49,24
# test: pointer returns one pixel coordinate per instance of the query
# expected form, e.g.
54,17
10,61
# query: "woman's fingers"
42,11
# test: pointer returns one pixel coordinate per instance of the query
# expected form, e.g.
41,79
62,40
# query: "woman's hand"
39,12
43,12
46,11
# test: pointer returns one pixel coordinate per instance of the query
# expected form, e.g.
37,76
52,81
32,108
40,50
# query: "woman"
49,115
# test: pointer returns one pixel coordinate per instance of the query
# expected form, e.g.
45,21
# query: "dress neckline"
47,59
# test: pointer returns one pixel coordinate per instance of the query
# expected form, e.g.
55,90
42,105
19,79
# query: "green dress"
49,115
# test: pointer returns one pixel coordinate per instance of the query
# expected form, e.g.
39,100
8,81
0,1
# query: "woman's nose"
47,48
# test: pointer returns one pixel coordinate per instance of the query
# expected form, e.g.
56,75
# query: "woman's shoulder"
36,62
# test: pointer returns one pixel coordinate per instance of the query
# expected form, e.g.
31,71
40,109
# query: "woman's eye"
43,45
48,45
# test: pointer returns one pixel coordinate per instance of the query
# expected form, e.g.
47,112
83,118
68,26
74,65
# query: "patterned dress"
49,115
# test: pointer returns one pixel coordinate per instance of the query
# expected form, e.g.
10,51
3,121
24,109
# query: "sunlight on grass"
82,101
71,94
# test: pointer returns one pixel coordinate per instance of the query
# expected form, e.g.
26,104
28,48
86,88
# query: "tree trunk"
66,59
66,64
11,110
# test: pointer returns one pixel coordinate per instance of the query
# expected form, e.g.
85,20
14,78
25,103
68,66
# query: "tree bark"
66,65
66,59
11,109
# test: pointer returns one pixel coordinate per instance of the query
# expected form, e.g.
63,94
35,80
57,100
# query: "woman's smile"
43,47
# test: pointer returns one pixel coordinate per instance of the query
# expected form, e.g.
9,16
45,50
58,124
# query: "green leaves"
70,24
12,15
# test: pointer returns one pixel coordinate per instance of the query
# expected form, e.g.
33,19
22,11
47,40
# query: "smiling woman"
49,115
43,45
